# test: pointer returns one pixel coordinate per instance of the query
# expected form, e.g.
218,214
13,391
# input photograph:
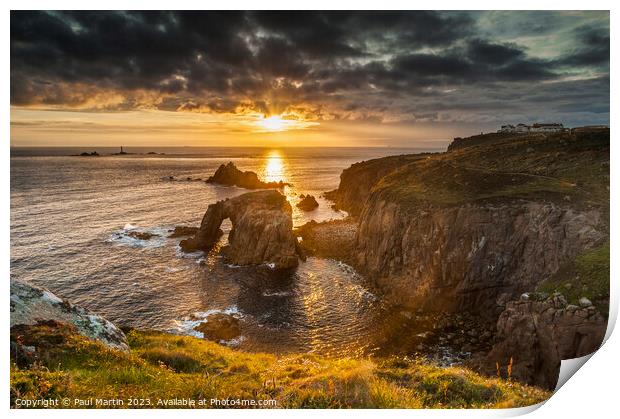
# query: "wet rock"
262,230
141,235
537,335
32,305
220,326
229,175
181,231
307,203
330,239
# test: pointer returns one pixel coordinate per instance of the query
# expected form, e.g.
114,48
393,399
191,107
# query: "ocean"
71,215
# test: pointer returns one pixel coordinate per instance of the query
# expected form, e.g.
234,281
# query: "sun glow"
274,167
273,123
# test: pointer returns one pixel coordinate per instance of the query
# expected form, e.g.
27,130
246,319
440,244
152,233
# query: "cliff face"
357,181
262,230
475,227
537,333
471,256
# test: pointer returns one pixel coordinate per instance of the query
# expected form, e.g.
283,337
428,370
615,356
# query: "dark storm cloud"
592,48
378,62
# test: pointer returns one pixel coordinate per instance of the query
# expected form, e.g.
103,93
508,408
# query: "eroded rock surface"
220,327
32,305
181,231
262,230
333,239
307,203
229,175
537,333
470,256
357,181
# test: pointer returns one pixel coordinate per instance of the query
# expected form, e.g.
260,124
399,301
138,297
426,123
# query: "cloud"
339,65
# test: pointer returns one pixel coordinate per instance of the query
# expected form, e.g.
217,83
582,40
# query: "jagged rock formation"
471,256
537,332
31,305
333,239
357,181
229,175
307,203
261,232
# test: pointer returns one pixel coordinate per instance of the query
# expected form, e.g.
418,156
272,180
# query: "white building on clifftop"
525,129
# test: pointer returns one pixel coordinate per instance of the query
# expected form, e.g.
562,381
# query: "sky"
316,78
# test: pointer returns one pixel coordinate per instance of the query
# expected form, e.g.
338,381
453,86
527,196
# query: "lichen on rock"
31,305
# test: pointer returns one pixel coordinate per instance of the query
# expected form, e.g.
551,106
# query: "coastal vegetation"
587,276
549,167
166,367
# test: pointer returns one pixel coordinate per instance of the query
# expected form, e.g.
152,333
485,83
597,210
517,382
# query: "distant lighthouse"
122,152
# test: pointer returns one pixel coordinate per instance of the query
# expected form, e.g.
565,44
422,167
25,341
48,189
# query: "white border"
593,390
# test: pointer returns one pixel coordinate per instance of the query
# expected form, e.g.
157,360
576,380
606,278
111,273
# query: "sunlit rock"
262,230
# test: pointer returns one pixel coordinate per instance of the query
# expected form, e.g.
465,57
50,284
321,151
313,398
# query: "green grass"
571,169
165,366
586,276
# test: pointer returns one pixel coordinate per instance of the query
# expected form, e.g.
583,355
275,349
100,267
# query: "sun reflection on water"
274,170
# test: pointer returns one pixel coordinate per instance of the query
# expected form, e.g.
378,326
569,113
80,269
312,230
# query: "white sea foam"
188,255
277,293
122,237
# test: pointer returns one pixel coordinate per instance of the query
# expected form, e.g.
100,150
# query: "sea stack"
229,175
307,203
262,230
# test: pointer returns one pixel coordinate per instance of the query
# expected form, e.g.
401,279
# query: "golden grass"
163,366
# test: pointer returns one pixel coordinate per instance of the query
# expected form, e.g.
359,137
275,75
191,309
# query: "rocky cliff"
471,256
262,230
357,181
536,332
474,228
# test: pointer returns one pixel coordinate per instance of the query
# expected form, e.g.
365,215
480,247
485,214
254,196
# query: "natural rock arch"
262,230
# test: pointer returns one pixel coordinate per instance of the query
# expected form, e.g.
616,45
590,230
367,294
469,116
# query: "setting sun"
273,123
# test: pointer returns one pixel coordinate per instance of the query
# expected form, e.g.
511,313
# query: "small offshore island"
510,230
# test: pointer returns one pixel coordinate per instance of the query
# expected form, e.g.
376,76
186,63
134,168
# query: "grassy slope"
561,167
167,366
587,276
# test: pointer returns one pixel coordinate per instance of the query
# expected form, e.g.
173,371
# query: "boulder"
32,305
141,235
181,231
534,336
262,230
307,203
220,326
229,175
